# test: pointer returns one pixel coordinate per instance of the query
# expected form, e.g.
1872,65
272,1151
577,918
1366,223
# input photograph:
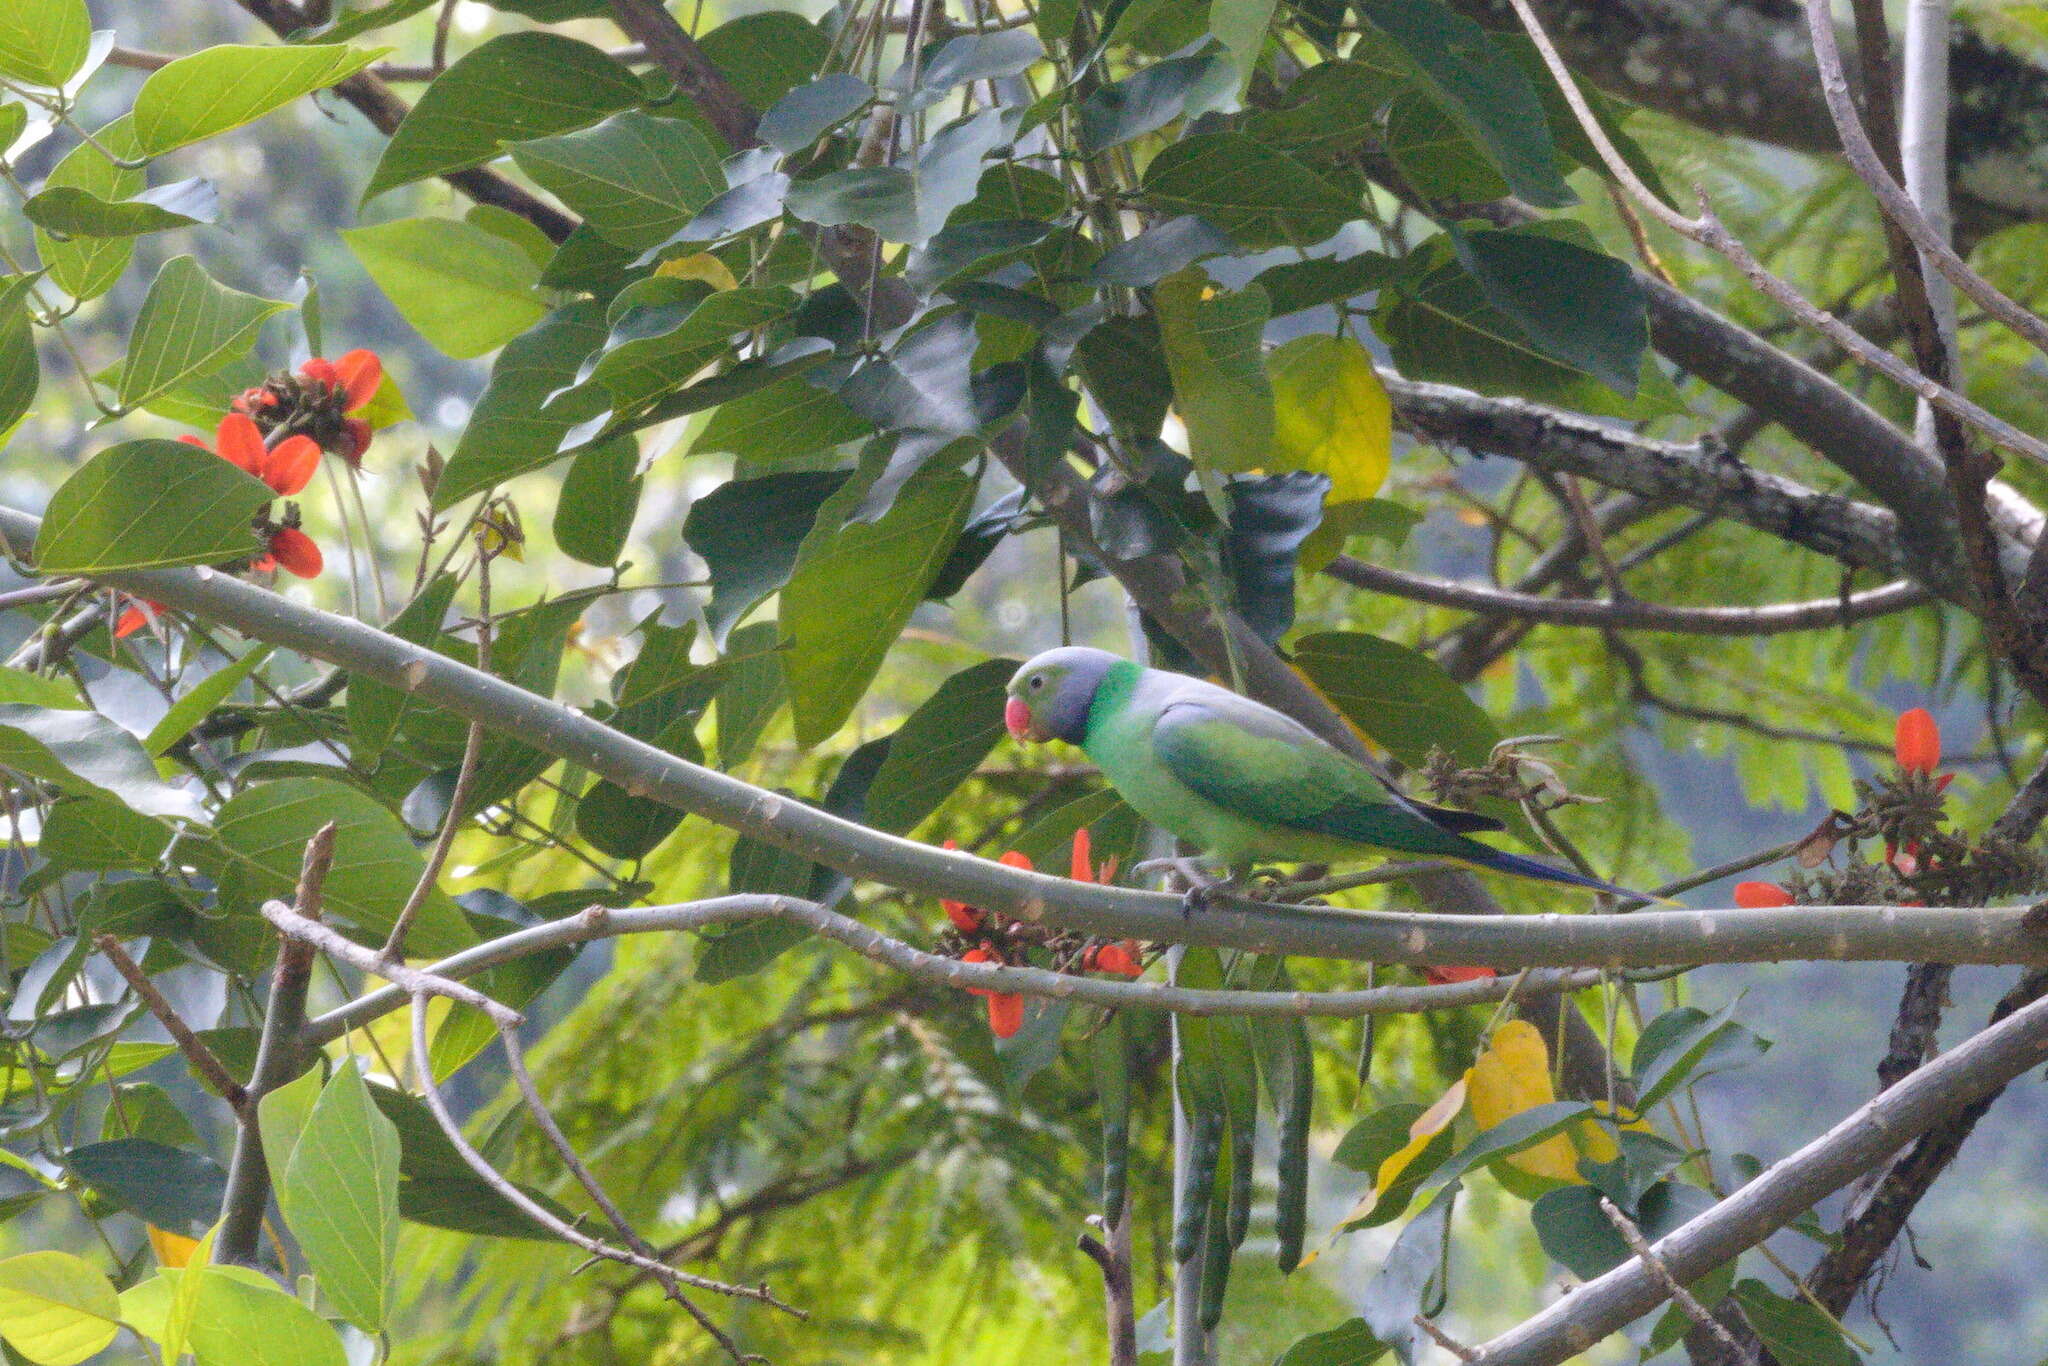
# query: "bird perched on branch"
1237,779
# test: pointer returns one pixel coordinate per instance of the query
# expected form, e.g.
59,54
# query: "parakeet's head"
1050,696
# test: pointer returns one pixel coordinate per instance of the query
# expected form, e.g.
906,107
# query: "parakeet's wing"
1254,762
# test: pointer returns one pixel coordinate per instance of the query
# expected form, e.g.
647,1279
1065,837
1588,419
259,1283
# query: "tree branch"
1630,614
279,1058
1947,1087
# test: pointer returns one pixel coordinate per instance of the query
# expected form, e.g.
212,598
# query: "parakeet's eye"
1037,682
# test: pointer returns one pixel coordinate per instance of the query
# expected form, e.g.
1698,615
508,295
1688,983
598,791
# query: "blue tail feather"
1501,861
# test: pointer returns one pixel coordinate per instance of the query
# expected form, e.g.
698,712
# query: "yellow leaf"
1427,1126
1331,415
172,1249
56,1309
1511,1076
700,266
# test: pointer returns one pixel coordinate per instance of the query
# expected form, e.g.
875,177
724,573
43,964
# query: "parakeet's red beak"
1017,719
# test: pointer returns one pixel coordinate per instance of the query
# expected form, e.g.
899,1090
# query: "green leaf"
18,685
854,588
513,88
149,504
90,832
1220,384
190,324
87,268
439,1189
83,753
750,691
1260,197
767,54
56,1309
1482,88
1399,697
1686,1045
664,330
508,433
1378,1137
1240,25
748,533
1179,87
1294,285
81,213
340,1199
939,746
787,419
243,1321
635,178
802,116
225,87
1794,1331
172,1188
195,705
281,1117
264,829
1523,1129
466,290
1578,305
44,42
911,202
20,370
600,496
1350,1343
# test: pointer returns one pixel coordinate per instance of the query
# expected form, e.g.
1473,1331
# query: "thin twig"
1444,1340
204,1060
1632,614
279,1058
1688,1303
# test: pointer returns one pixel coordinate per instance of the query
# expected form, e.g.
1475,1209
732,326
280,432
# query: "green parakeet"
1235,778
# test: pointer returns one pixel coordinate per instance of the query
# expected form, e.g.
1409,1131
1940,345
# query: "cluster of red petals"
338,386
1006,1009
1757,895
287,467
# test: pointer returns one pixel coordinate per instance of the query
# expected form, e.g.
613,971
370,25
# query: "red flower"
287,468
1917,741
1757,895
1121,959
292,549
139,613
1005,1013
966,919
1438,977
354,377
984,954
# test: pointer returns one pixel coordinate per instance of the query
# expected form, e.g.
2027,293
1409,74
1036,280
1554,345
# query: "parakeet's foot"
1202,887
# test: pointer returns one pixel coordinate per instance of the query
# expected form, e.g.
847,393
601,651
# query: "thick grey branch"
1650,939
1948,1086
1697,475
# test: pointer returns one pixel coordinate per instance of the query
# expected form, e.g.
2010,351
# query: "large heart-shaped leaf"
190,324
466,290
225,87
149,504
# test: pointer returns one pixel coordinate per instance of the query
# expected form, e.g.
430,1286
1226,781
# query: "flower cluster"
1924,861
316,402
276,433
978,936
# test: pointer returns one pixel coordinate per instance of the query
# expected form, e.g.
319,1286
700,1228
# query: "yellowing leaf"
1220,388
1427,1126
56,1309
1331,415
700,265
1511,1076
172,1249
